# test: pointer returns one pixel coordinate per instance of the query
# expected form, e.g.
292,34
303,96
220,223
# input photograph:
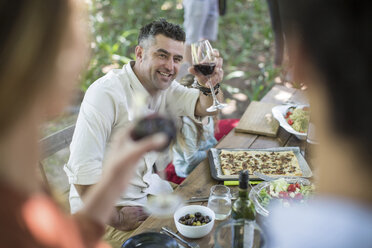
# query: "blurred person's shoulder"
323,222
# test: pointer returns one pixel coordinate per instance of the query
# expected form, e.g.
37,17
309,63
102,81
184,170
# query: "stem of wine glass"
215,101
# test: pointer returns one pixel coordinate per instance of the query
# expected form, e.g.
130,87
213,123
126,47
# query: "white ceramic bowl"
279,113
194,231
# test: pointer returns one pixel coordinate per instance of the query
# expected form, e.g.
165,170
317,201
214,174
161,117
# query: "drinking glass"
204,62
220,201
240,234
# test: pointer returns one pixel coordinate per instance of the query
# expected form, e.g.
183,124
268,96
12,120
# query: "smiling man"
111,104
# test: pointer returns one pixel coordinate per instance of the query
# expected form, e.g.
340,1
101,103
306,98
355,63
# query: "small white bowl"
194,231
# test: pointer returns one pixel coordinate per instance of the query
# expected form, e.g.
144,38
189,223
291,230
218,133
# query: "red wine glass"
204,62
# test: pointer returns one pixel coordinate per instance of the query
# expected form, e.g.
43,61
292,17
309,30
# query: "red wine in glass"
206,68
152,124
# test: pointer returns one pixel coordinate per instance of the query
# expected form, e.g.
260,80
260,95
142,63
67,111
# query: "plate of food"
284,191
226,163
293,118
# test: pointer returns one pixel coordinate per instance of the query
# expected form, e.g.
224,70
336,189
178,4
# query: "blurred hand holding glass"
220,201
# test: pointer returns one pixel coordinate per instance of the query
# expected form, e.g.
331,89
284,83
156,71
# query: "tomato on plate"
283,195
291,188
288,114
298,185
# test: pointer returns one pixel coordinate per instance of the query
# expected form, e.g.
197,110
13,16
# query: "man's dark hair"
336,36
161,26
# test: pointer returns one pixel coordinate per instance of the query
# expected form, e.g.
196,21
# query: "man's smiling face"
159,62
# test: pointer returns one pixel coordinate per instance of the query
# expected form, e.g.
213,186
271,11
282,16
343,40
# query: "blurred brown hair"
31,33
336,37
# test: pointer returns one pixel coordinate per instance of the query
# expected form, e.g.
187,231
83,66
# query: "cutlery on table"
189,244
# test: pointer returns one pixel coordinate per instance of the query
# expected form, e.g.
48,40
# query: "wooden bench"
49,146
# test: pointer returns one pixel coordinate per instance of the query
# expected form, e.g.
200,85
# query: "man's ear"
139,53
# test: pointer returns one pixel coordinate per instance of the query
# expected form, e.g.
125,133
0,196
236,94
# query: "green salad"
287,193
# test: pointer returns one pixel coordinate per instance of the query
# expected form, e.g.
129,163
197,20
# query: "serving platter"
217,174
279,113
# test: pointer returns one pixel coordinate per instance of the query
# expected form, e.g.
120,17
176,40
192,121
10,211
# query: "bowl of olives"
194,221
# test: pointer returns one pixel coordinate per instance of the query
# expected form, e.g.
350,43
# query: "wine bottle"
243,207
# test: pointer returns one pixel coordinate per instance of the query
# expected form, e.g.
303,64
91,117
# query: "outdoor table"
199,182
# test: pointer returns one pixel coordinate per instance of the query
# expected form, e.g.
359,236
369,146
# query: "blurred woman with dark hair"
331,46
42,51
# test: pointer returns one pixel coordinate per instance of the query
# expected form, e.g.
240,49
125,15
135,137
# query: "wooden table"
198,183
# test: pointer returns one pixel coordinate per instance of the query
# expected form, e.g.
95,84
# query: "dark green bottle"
243,207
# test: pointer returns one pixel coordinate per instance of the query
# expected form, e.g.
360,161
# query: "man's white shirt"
109,106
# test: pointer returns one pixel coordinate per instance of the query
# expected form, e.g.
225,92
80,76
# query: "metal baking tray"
216,172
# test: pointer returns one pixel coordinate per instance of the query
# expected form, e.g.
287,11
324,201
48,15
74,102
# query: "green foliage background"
244,40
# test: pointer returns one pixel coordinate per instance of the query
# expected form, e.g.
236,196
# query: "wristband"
206,91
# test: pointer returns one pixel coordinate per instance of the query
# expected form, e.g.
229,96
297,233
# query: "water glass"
220,201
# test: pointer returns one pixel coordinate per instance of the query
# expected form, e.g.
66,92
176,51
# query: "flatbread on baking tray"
278,163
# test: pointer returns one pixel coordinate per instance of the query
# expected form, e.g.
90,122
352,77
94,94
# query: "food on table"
298,118
152,124
196,219
282,163
286,193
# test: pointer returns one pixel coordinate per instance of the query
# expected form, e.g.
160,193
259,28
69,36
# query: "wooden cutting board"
258,119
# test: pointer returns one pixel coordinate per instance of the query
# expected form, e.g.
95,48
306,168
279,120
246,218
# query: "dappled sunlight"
232,90
167,5
240,97
108,68
231,107
234,74
282,96
179,6
278,80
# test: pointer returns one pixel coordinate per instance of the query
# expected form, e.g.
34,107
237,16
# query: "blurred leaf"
234,74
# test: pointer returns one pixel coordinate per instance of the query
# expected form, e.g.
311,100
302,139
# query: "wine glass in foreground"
161,201
204,62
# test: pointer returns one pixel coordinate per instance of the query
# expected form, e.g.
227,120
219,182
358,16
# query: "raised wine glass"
160,201
204,62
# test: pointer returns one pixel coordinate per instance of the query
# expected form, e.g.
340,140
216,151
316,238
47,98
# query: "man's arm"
123,218
205,102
